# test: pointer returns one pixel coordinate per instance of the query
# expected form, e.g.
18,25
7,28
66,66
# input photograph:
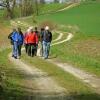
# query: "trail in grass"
88,78
70,35
84,76
59,37
45,85
68,7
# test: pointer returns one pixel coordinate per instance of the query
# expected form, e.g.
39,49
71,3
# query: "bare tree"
9,5
27,7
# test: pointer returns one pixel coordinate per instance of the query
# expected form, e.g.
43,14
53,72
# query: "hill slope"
85,16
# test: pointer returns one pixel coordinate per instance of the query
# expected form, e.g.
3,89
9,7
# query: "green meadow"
83,50
85,16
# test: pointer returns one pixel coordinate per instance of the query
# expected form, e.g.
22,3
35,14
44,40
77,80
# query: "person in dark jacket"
11,41
20,41
47,38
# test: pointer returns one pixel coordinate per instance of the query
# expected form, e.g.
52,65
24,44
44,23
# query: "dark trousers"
31,49
26,48
19,50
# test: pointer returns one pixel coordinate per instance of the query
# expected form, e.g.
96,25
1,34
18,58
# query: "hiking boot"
12,55
15,57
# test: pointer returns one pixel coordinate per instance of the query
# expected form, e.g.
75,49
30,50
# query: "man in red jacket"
32,40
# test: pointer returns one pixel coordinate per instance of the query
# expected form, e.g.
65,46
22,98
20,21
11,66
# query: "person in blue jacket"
15,43
17,38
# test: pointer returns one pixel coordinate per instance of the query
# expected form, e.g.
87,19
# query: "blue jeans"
41,51
46,49
15,49
12,50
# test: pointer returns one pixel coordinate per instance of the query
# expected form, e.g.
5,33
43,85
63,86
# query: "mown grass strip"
75,87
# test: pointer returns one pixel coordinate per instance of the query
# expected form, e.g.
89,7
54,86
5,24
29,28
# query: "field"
82,51
49,8
75,88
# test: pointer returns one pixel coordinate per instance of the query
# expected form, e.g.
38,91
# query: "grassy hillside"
84,49
85,16
47,8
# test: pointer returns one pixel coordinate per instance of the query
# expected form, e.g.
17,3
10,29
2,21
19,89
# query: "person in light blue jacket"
17,38
15,43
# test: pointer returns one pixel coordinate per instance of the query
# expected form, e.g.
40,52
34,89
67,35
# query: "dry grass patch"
89,47
4,31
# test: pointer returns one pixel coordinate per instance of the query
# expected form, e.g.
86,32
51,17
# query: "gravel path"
44,83
68,7
59,37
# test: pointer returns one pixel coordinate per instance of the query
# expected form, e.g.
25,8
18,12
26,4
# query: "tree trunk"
36,6
9,11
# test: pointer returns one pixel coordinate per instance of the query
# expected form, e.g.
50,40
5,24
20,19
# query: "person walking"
11,41
47,38
25,40
41,40
32,40
14,37
20,41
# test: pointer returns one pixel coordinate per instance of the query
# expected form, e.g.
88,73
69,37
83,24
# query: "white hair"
47,28
31,28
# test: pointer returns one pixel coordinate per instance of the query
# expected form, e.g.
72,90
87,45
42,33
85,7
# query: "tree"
26,7
9,5
56,1
42,1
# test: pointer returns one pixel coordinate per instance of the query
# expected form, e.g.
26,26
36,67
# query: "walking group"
31,40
